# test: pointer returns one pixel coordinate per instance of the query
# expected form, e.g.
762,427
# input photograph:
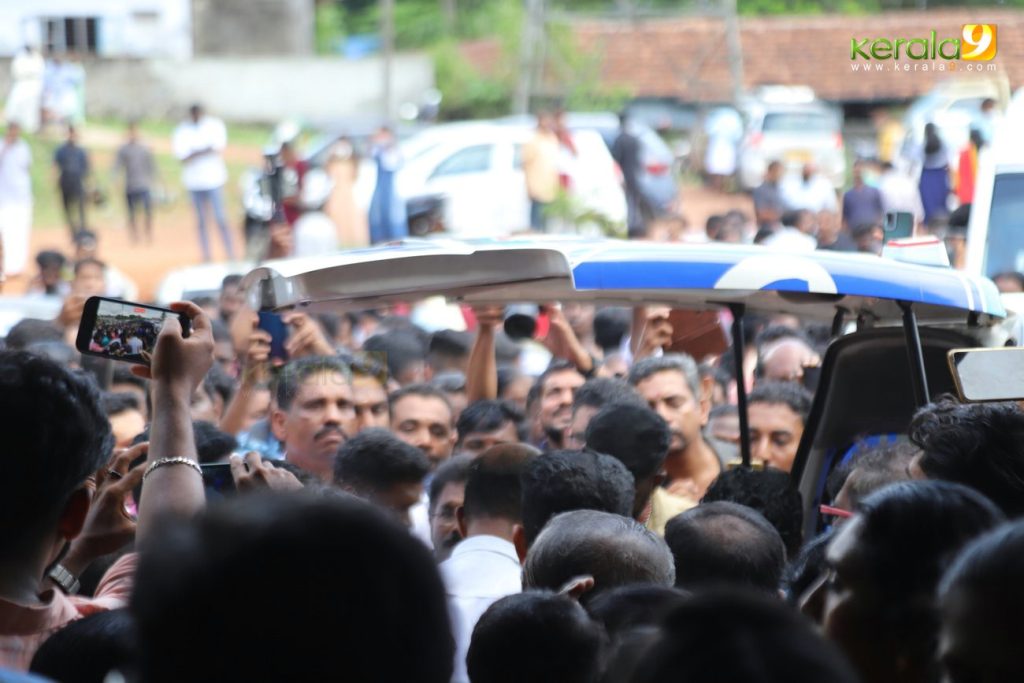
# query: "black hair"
218,383
977,444
537,636
789,394
627,607
557,365
50,259
375,459
493,487
81,263
573,480
909,534
613,549
57,351
676,362
611,326
1012,275
449,347
598,392
296,372
196,583
423,391
55,436
713,225
367,365
212,445
790,218
453,470
31,330
726,543
634,434
232,280
862,229
87,649
806,567
735,635
115,403
486,416
983,589
398,349
912,530
774,333
770,492
932,141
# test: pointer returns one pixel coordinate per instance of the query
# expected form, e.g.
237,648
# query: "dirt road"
176,242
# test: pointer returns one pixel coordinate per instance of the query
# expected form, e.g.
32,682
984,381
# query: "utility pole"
387,32
735,49
533,27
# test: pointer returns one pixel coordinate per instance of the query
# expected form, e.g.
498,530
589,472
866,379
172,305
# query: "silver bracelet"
172,461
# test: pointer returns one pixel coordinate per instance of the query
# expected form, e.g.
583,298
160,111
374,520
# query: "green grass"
49,214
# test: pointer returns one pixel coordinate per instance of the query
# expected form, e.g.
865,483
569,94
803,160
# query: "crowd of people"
415,506
118,336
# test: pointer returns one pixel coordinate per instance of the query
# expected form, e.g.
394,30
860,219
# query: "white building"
105,28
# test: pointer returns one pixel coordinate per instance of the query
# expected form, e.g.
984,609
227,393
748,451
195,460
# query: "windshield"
1004,249
799,122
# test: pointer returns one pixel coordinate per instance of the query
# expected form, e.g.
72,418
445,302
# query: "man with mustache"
447,491
315,412
672,387
553,393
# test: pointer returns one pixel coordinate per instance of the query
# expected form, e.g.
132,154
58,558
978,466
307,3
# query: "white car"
477,168
792,126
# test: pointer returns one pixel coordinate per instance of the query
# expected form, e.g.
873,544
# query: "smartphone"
217,480
123,330
898,224
272,324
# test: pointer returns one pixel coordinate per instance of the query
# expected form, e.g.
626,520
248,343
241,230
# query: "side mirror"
988,374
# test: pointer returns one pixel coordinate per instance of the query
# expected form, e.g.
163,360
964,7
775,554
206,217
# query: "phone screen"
272,323
217,480
122,330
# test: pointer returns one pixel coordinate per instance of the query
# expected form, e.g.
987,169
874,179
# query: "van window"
476,159
1004,248
799,122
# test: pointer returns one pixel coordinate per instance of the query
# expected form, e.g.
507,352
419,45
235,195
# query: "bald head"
614,550
784,360
725,543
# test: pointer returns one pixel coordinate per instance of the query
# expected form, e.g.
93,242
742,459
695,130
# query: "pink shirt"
23,628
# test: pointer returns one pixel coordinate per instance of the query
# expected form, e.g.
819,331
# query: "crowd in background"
439,513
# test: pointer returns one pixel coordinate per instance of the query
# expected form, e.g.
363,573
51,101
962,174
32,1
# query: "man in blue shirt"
72,164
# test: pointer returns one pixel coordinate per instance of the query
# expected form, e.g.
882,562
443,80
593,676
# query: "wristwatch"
64,579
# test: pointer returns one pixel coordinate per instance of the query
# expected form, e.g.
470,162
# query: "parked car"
995,240
477,168
790,125
953,106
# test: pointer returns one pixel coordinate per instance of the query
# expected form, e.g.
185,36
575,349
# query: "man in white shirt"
15,201
484,567
198,143
899,192
810,190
